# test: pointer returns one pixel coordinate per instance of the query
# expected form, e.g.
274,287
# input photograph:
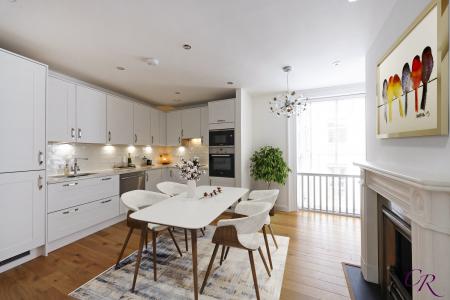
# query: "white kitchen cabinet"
71,220
77,192
119,116
61,110
222,181
22,113
91,115
152,178
221,111
142,134
173,174
173,128
22,213
204,120
162,128
154,126
190,123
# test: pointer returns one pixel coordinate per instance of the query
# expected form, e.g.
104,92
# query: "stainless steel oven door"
221,165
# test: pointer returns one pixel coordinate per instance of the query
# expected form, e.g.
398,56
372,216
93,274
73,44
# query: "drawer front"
73,193
68,221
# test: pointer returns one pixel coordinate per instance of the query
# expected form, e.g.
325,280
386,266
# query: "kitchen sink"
73,175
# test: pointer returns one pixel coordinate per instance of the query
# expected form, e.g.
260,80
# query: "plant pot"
192,186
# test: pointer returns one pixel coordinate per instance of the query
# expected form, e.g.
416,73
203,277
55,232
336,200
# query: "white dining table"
190,213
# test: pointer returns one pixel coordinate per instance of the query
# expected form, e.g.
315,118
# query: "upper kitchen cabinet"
22,113
119,118
190,123
154,126
162,128
61,110
91,115
204,117
141,124
222,112
173,128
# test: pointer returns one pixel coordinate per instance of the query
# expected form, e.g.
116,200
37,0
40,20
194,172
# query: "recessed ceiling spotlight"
230,82
187,47
336,63
352,0
120,68
152,61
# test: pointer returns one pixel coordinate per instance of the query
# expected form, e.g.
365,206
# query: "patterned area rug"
232,280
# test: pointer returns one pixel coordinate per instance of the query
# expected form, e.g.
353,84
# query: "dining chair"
242,233
172,189
134,201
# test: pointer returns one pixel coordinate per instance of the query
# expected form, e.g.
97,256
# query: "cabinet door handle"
105,201
40,158
70,184
146,176
79,133
109,136
40,186
152,139
220,120
135,138
179,140
66,212
182,132
105,179
72,133
201,140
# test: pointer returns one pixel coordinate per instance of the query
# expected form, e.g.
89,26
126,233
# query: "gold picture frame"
433,121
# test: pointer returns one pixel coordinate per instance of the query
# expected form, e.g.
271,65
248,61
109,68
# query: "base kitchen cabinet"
152,178
74,206
22,213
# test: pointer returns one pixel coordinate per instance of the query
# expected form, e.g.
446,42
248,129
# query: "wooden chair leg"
146,241
222,254
267,246
255,280
139,256
186,239
174,241
130,231
264,261
226,253
213,256
154,234
273,236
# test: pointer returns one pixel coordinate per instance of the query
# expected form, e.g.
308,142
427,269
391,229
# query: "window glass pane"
331,136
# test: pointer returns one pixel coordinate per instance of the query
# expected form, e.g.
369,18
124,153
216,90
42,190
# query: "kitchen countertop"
110,172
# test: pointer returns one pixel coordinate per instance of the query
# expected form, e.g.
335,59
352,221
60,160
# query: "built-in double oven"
221,153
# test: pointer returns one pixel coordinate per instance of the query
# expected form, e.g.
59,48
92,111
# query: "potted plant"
268,165
190,171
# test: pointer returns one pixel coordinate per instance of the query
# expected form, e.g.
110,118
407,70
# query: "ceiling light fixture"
152,61
336,63
289,103
120,68
187,47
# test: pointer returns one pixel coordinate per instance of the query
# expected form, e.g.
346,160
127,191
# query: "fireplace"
395,252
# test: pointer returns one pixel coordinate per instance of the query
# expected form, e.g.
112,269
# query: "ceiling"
246,42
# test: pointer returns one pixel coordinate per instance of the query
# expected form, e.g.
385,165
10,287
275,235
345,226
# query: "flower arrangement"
190,169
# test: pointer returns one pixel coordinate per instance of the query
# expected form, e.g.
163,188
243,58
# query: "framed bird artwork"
412,79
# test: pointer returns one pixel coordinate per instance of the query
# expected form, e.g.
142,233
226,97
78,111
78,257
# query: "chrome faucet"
76,168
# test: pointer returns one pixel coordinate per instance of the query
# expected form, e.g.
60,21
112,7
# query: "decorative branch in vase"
190,171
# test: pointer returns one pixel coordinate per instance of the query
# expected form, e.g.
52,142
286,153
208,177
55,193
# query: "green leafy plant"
268,165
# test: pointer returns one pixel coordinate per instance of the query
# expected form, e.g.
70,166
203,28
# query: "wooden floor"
318,245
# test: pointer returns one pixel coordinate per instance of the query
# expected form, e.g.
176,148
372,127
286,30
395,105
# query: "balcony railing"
330,193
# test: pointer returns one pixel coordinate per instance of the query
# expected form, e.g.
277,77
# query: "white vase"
192,186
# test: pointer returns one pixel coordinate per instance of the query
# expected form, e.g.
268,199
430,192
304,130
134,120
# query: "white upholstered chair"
243,233
134,201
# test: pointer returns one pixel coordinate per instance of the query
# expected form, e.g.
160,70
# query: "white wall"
269,130
244,129
424,153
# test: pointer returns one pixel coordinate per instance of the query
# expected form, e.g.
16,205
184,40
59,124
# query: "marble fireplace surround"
425,199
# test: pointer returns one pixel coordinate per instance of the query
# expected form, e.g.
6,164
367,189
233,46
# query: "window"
331,135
